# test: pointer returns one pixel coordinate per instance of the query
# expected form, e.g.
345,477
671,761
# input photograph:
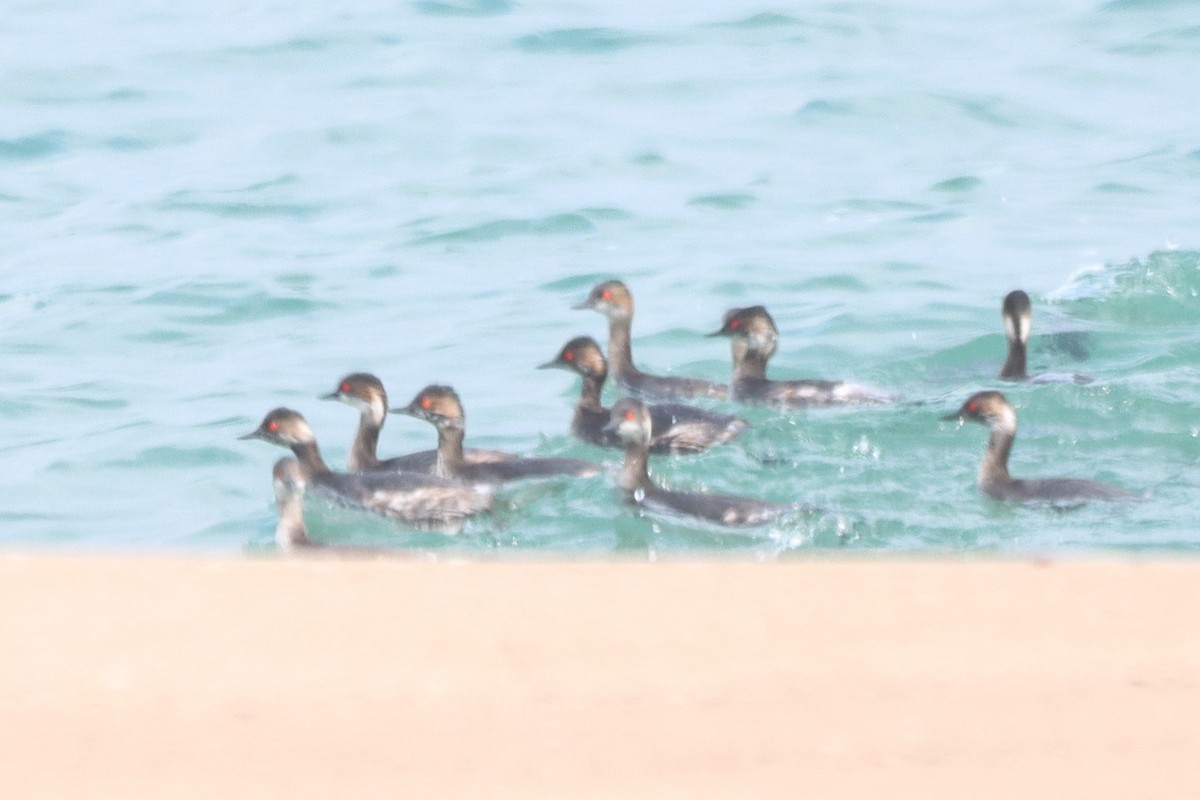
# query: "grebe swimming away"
1017,314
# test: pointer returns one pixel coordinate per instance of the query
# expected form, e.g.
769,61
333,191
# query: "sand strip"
167,677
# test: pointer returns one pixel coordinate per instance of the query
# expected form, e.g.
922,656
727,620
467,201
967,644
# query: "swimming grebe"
675,428
416,498
440,406
1017,314
992,409
630,422
753,338
365,392
291,534
288,480
613,300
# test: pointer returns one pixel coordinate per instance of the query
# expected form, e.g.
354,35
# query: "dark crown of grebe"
284,427
611,298
991,408
751,328
583,356
438,405
363,391
630,421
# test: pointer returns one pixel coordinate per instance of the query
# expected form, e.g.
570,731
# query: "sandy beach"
182,677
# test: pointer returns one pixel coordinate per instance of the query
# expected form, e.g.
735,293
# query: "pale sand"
166,677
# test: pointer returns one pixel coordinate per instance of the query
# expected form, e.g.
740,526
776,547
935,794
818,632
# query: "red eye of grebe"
273,426
569,355
345,387
972,406
629,415
737,323
606,295
426,402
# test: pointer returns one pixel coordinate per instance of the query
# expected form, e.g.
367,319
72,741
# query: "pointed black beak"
955,417
555,364
254,434
721,332
330,396
583,305
409,410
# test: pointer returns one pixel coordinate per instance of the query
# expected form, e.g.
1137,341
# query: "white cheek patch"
377,409
356,402
1018,328
303,434
1006,420
373,406
763,342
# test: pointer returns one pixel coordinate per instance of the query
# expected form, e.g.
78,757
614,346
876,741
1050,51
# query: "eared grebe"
418,499
753,338
364,391
630,422
675,428
440,406
613,300
1017,314
993,410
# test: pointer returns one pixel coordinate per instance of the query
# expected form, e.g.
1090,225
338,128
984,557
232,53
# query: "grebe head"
1017,315
288,479
752,328
283,426
629,419
438,405
363,391
610,298
582,355
989,408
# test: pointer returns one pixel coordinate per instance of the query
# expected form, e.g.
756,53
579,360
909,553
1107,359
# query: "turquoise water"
210,209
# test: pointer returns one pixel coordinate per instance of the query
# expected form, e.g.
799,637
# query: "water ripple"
30,148
464,8
237,209
583,41
555,225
